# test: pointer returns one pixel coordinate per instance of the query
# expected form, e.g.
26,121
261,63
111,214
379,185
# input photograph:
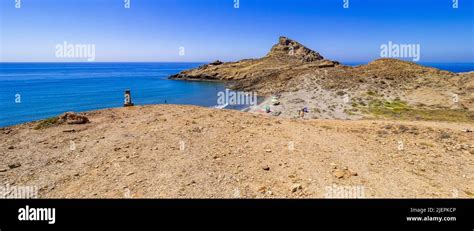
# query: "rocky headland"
301,77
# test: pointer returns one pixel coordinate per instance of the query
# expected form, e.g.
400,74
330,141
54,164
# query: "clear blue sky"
153,30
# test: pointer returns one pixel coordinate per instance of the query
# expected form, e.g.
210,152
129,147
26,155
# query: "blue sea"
33,91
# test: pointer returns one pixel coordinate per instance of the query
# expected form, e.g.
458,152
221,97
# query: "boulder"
72,118
296,187
215,63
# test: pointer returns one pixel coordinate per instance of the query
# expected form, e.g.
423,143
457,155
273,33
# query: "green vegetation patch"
387,108
397,109
47,123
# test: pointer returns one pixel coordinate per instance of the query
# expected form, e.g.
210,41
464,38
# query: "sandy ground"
320,103
169,151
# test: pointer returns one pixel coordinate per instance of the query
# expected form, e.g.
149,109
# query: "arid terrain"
170,151
301,77
388,129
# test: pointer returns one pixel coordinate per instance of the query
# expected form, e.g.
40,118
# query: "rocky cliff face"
292,49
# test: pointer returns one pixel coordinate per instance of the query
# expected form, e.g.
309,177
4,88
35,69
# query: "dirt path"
186,151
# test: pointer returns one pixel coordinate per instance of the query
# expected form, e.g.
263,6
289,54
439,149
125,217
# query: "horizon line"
91,62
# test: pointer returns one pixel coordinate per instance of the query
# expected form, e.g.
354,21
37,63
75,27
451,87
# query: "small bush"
46,123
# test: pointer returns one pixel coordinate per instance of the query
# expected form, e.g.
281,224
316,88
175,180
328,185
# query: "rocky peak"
290,48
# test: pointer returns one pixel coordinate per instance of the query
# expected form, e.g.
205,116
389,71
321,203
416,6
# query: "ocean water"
33,91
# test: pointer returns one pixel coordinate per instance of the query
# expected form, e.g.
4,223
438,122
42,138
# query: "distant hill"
291,67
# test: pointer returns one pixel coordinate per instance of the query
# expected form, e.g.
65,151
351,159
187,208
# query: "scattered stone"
444,135
262,189
70,130
117,148
268,150
388,127
276,113
333,165
296,187
339,173
14,165
72,118
340,93
191,183
130,173
197,129
403,128
3,169
11,147
266,168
